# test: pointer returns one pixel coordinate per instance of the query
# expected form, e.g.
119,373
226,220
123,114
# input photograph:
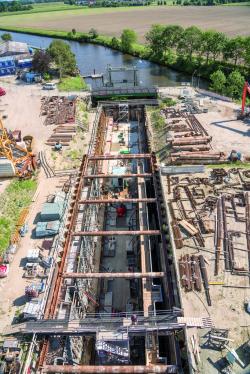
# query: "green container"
125,152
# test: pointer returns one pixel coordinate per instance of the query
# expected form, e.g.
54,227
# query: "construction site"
139,257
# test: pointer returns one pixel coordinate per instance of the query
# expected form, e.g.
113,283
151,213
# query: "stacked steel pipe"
190,275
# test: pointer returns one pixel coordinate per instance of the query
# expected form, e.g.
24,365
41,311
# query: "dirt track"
233,20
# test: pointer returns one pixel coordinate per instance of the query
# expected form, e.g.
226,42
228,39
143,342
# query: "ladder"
123,113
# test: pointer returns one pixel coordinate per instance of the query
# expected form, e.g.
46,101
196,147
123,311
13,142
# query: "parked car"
4,270
2,91
49,86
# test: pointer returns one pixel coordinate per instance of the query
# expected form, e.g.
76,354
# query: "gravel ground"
228,133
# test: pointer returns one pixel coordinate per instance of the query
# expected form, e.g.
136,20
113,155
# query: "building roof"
13,47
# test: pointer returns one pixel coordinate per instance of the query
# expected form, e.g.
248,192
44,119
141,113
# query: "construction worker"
58,146
134,319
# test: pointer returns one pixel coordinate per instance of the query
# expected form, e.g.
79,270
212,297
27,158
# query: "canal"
92,57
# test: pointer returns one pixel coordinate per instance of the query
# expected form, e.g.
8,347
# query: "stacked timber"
63,134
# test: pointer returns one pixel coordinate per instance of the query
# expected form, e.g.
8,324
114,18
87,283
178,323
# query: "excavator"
246,90
22,159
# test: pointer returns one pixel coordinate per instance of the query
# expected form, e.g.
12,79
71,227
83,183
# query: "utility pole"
193,77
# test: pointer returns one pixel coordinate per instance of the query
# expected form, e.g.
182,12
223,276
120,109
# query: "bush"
168,101
6,37
218,81
16,197
46,77
128,38
115,43
93,33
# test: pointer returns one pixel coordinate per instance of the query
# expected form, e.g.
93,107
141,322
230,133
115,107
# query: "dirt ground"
228,302
230,20
13,286
22,105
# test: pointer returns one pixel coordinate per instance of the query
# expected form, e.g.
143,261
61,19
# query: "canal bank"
96,57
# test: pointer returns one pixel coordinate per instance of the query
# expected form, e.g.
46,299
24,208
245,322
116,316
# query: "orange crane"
246,90
20,157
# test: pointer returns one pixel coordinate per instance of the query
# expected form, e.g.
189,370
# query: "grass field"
60,7
18,195
233,20
72,84
45,7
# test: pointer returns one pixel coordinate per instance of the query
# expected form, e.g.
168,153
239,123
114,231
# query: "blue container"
7,66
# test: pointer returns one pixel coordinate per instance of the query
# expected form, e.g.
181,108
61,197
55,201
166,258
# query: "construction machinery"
23,160
246,90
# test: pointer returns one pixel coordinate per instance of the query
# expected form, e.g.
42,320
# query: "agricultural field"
45,7
232,20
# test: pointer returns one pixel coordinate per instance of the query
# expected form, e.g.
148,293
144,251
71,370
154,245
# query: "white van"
49,86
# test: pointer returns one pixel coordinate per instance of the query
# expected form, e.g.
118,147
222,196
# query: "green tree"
154,38
246,54
128,37
218,81
191,41
41,61
235,83
62,56
218,45
172,36
234,49
6,37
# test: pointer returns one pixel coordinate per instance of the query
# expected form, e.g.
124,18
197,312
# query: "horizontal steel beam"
108,369
120,157
114,275
129,175
110,201
114,233
91,326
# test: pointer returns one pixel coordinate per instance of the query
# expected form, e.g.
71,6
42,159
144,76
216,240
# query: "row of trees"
204,2
24,2
198,50
58,54
14,6
116,4
203,45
